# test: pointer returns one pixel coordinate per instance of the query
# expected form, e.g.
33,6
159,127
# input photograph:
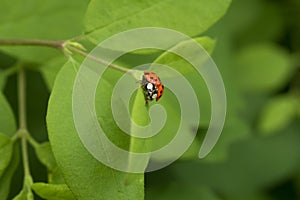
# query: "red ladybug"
152,86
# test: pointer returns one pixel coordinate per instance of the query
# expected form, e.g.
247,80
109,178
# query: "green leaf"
105,18
207,43
6,151
50,69
53,191
45,155
36,21
6,178
262,68
277,114
139,115
55,176
187,70
180,64
86,176
7,120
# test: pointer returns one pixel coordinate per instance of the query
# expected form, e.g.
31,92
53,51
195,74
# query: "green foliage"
262,85
53,191
179,191
50,69
9,155
8,124
6,150
256,48
54,20
7,175
86,177
278,113
257,62
185,68
44,154
105,18
180,64
254,157
25,194
139,115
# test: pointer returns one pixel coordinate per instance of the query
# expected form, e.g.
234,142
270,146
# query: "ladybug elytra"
152,86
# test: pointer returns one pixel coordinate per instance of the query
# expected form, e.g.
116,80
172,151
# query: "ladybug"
152,86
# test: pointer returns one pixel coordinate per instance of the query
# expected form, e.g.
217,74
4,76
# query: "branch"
99,60
22,122
22,98
58,44
66,46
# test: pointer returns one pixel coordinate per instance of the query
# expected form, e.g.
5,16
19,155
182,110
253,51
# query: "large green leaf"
86,176
139,115
55,20
7,120
105,18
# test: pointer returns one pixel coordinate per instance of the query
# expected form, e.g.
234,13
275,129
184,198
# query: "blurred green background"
258,154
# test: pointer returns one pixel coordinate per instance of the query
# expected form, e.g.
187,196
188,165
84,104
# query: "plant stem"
31,140
22,98
65,46
58,44
22,119
99,60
